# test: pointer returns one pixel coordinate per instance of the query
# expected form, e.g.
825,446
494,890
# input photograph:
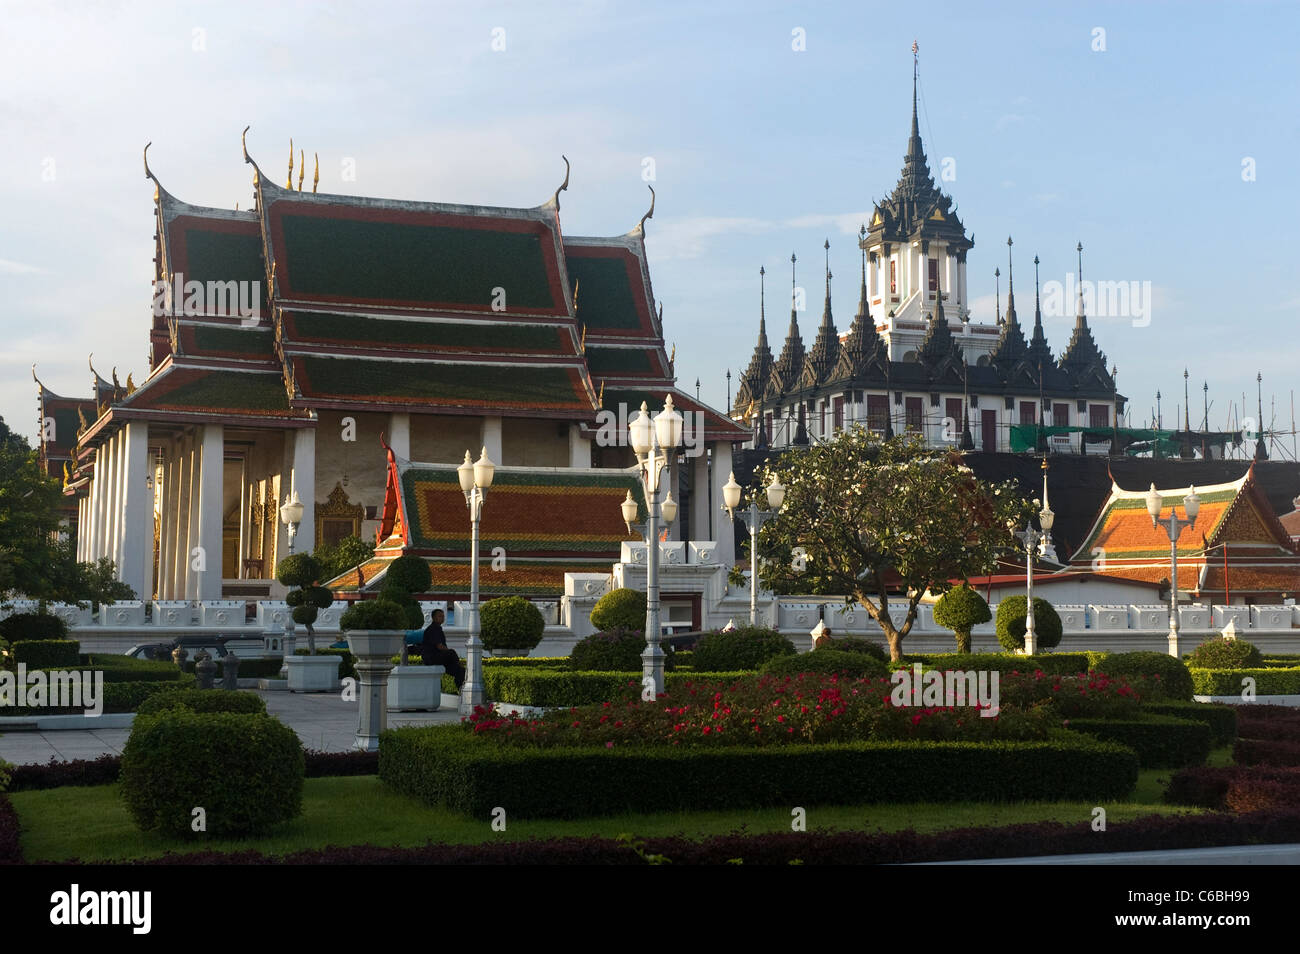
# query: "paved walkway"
322,720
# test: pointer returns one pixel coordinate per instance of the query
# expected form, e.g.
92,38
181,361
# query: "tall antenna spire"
997,293
1078,312
1038,312
1011,287
827,246
762,301
793,287
1261,451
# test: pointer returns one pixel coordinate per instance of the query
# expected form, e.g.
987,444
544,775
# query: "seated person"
436,653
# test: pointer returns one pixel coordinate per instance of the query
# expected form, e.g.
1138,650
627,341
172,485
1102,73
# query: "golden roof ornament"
315,179
130,385
302,167
289,185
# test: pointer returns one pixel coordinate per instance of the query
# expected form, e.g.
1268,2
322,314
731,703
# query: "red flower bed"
1092,695
765,710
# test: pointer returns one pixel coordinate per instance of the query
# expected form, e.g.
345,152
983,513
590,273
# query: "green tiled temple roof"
210,341
219,256
530,513
619,361
213,391
362,257
440,384
483,337
605,292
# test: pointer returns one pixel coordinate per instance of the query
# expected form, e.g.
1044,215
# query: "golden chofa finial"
302,167
289,184
315,179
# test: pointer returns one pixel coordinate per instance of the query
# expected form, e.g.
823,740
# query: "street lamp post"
475,479
754,520
650,439
1031,538
1173,527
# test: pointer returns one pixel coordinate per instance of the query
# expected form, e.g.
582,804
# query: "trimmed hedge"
827,661
1221,719
511,622
118,696
1012,621
1221,653
1157,676
1159,741
1053,664
245,771
10,850
48,653
24,626
1227,682
447,766
1236,788
557,687
615,651
746,647
854,644
129,669
1266,752
203,700
1149,833
622,608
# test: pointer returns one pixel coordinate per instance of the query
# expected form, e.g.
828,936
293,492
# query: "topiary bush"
746,647
304,572
410,606
619,609
410,573
1220,653
617,651
203,700
373,614
962,609
1011,623
1155,675
23,626
857,665
852,644
511,622
48,653
244,770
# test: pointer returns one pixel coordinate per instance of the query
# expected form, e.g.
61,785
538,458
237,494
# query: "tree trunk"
311,641
963,641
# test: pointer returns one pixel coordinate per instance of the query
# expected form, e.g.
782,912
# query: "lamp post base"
1173,645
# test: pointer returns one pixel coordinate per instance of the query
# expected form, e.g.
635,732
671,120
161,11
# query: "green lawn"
92,823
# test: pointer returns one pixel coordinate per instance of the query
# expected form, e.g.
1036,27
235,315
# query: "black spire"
1011,290
754,382
1038,347
863,343
938,343
1082,355
826,349
789,366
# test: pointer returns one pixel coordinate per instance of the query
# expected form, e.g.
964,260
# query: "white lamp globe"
466,473
638,431
731,493
775,494
668,425
483,471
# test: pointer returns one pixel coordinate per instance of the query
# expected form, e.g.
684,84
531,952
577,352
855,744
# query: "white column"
304,482
167,534
137,510
209,501
701,525
399,434
579,448
725,536
492,439
111,501
192,487
81,513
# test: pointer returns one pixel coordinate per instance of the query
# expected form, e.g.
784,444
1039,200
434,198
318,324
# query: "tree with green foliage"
883,521
338,558
302,572
405,578
511,622
960,610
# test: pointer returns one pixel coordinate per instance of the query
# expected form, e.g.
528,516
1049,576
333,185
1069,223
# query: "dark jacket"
434,641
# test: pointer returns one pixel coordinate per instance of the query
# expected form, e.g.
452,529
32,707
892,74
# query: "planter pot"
373,648
313,673
498,653
415,688
375,642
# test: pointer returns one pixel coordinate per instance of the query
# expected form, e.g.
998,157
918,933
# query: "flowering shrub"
1091,695
762,711
1155,675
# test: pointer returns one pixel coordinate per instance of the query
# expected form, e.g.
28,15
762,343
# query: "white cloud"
10,267
692,237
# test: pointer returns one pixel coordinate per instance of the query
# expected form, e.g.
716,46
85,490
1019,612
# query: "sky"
1162,136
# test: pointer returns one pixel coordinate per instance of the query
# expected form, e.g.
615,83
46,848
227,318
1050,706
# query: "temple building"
913,361
317,344
1238,551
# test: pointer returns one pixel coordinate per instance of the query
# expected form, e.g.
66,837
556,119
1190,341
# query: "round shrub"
857,665
373,614
616,651
299,570
619,609
853,644
1011,624
511,622
395,594
746,647
409,572
203,700
962,609
1153,675
244,770
22,626
1220,653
